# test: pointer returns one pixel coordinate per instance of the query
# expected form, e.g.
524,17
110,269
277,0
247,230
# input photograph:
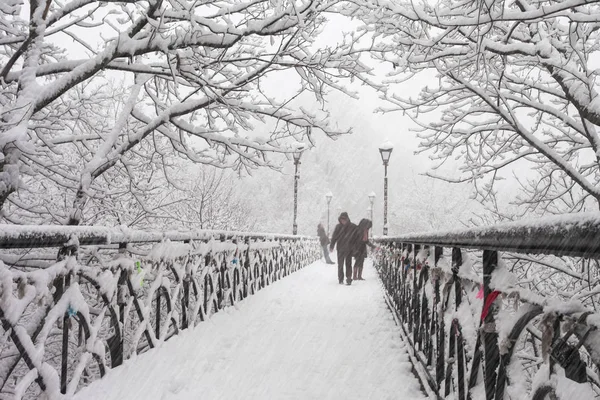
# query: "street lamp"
328,196
370,212
296,155
386,151
372,200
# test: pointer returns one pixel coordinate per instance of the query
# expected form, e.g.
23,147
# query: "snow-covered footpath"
304,337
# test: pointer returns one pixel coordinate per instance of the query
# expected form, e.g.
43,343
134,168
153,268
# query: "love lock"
569,358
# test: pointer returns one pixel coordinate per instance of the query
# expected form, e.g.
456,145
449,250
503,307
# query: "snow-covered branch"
197,76
517,82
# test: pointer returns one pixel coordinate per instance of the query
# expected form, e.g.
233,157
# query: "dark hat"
344,215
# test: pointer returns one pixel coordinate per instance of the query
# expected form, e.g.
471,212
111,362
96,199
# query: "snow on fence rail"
476,331
65,323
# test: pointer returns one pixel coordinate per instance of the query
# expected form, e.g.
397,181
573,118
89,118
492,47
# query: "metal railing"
113,293
478,332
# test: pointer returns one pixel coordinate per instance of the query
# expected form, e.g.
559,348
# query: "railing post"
207,262
157,328
438,321
185,302
424,308
460,364
262,271
117,347
456,263
67,250
490,336
221,278
185,299
415,304
406,302
397,282
245,267
65,346
405,287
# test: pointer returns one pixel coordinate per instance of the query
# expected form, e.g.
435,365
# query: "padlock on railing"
568,357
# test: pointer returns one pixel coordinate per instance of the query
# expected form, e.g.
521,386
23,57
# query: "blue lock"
71,312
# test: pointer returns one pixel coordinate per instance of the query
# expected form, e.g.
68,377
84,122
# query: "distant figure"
324,242
359,244
342,237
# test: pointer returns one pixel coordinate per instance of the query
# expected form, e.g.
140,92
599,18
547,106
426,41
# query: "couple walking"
352,241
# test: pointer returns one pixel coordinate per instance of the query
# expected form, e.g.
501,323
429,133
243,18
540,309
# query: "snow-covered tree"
207,199
516,90
193,85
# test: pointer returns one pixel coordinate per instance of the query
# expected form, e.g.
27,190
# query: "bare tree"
193,78
207,198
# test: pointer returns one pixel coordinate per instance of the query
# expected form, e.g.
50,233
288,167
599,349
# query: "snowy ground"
304,337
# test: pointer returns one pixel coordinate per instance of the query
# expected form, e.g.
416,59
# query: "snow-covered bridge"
306,337
140,315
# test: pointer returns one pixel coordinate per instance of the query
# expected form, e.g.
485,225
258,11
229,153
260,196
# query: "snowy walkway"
304,337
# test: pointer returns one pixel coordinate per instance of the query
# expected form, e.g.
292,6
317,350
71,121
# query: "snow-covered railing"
29,236
476,330
115,293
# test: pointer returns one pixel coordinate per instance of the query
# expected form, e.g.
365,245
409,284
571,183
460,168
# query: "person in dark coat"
359,245
324,242
342,239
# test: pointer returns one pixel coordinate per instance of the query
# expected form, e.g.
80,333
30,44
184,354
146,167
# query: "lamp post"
372,200
328,196
370,213
386,151
370,209
297,155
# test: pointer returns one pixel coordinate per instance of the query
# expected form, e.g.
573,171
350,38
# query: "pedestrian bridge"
96,313
305,337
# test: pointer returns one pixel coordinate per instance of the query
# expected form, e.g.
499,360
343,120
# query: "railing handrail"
27,236
576,235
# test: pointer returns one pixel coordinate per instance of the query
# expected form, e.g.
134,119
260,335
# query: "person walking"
359,244
342,239
324,242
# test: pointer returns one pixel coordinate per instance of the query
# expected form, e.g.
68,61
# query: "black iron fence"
483,326
111,294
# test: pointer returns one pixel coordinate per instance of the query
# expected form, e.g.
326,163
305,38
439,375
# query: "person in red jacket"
342,237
